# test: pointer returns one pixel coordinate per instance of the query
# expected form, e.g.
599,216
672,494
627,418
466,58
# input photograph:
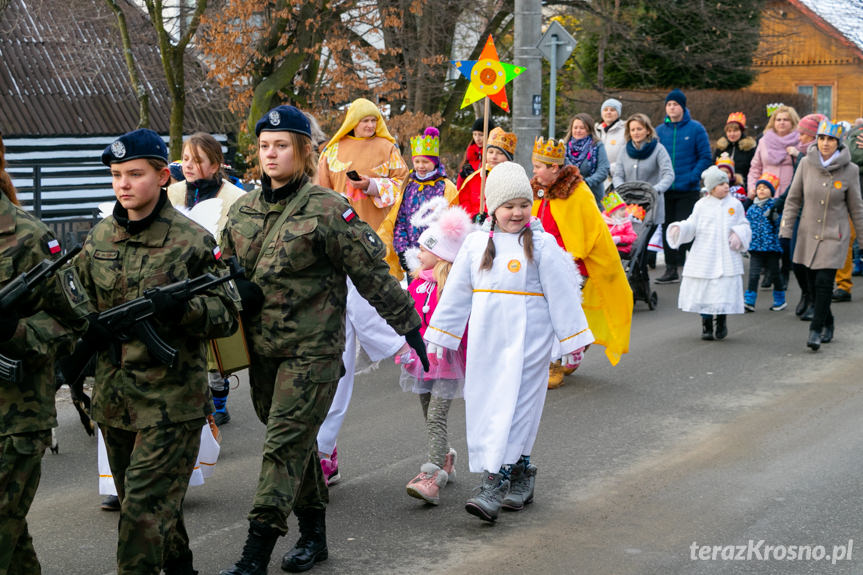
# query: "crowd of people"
529,265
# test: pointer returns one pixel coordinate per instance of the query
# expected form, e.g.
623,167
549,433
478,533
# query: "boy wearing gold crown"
426,181
500,148
567,209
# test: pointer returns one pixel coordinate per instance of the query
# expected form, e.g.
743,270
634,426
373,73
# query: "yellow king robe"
606,296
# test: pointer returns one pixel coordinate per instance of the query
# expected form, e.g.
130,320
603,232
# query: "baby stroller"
635,262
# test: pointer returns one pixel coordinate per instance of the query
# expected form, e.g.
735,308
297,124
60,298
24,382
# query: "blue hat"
176,169
615,103
141,143
677,96
826,128
284,119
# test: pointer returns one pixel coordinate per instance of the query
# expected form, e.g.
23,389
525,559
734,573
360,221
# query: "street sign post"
556,46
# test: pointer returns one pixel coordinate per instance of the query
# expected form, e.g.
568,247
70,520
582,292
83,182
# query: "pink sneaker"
330,468
427,484
449,464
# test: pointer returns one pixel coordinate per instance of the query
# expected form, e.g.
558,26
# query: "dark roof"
62,73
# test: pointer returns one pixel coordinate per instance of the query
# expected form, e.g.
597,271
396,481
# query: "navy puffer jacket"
689,147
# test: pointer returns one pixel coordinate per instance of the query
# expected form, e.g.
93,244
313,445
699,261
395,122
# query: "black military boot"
707,328
179,567
256,552
311,547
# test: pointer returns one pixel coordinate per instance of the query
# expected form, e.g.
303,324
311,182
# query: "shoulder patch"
53,246
372,239
71,287
349,214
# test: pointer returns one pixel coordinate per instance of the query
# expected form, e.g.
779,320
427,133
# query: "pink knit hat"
809,124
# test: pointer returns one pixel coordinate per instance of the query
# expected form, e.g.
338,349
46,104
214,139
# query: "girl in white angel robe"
712,283
518,309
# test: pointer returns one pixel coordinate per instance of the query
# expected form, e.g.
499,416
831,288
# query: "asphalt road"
684,444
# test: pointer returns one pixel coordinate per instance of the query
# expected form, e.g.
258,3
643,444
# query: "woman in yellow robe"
567,209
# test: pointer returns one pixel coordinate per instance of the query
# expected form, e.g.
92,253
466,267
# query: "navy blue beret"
284,119
141,143
176,169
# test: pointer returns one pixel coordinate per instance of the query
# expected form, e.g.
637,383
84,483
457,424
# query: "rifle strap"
286,213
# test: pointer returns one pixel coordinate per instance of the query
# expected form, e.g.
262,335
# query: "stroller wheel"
653,300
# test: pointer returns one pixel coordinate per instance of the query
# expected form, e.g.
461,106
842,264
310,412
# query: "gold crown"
549,152
504,140
425,146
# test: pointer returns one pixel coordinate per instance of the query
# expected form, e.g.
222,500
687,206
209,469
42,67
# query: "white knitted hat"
507,181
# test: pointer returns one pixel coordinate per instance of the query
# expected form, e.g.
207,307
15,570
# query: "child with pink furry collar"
430,264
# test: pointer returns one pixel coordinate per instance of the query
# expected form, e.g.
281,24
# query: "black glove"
251,295
8,325
97,336
167,308
466,170
404,262
415,340
480,218
786,245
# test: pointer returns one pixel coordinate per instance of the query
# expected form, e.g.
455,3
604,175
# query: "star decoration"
488,76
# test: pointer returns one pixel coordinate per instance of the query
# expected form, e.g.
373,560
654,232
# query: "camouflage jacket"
115,267
302,272
24,242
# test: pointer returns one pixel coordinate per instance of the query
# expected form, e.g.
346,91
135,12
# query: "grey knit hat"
507,181
713,176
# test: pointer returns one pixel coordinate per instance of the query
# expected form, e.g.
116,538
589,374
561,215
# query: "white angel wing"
106,208
205,214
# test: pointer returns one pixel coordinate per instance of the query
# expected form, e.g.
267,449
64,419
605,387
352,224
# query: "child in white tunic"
519,290
712,282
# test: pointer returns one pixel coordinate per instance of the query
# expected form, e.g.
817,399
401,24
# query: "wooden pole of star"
482,174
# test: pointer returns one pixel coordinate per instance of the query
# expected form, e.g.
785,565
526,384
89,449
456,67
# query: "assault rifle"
14,292
131,320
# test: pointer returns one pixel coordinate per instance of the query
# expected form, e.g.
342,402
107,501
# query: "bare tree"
141,93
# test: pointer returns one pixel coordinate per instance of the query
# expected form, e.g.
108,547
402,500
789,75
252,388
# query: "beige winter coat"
823,199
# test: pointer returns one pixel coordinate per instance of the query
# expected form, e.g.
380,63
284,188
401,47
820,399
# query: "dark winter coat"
740,151
687,143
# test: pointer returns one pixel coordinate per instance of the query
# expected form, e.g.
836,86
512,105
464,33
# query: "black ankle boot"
311,547
256,552
802,305
808,313
179,567
721,327
814,341
707,328
827,334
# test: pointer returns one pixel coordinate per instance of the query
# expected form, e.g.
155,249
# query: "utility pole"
527,90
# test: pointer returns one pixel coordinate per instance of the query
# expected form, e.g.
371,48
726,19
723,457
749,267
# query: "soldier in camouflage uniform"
298,242
27,411
150,414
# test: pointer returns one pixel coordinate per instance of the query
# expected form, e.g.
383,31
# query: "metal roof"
62,73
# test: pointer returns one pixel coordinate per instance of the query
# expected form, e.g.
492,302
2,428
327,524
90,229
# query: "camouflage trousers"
291,397
20,471
152,468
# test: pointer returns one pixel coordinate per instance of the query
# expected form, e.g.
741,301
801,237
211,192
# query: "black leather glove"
8,325
786,245
251,295
404,262
97,336
415,340
167,308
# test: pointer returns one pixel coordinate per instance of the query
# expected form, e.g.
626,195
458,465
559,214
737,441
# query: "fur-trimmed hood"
744,144
568,178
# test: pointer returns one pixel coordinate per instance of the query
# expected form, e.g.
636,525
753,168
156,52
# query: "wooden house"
65,95
813,47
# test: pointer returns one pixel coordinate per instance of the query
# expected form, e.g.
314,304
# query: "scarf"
640,153
777,153
201,190
582,153
829,160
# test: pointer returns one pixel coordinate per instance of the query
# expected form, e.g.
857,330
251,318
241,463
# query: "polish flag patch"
349,214
53,247
217,253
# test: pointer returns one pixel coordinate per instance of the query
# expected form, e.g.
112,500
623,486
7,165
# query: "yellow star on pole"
488,76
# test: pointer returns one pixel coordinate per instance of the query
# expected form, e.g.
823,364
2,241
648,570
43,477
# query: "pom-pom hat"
725,161
447,227
284,119
769,180
713,176
507,181
142,143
